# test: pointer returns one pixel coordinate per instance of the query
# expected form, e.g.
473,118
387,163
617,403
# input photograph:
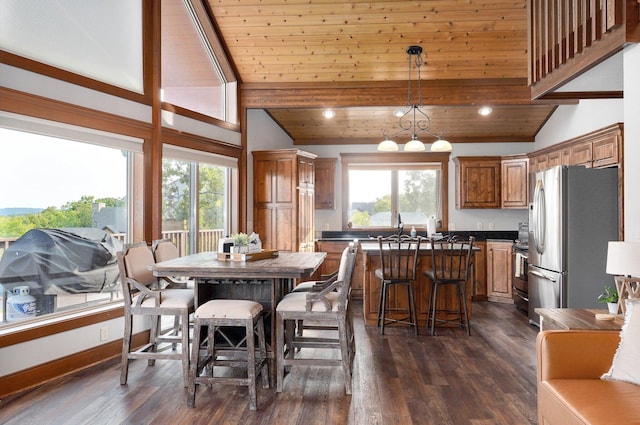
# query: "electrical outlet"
104,333
491,225
452,226
326,226
479,225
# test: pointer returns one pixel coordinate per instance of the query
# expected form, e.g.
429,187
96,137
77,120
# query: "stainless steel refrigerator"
572,216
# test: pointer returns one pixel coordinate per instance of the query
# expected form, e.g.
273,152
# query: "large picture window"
381,187
63,216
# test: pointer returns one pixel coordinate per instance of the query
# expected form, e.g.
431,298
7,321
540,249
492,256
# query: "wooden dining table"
265,281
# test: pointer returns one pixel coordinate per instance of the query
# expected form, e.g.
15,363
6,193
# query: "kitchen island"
447,298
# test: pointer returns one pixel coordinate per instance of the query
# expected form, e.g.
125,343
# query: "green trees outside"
72,214
418,194
176,194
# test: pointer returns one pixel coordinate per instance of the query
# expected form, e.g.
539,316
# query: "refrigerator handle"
539,211
535,273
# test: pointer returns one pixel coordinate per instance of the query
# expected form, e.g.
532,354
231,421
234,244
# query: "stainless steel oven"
520,280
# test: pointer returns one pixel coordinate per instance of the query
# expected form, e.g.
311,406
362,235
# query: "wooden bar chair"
206,354
329,304
143,295
451,261
398,264
165,250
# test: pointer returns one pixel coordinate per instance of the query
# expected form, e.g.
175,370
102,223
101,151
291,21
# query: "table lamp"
623,260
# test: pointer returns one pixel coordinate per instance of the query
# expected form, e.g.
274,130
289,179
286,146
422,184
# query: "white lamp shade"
623,258
441,145
414,145
387,146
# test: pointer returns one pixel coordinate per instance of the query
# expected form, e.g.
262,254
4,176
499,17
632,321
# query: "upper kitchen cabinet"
515,182
600,148
325,172
283,199
478,181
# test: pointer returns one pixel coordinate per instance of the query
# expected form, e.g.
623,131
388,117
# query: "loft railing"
562,29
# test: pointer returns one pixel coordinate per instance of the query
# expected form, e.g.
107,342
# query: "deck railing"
207,240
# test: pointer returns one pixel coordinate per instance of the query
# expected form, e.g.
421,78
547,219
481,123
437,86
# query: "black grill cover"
62,261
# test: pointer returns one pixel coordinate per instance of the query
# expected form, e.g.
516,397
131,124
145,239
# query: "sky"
39,171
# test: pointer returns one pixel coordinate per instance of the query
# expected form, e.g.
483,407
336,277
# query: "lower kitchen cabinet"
332,262
479,289
499,271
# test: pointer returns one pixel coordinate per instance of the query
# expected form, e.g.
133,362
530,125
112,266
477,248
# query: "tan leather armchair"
570,391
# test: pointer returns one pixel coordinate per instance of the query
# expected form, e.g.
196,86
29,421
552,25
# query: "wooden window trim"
44,327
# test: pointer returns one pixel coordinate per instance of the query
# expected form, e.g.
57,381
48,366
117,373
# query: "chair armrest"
575,354
315,295
144,292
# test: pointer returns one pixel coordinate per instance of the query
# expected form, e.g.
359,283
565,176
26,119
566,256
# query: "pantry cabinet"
283,199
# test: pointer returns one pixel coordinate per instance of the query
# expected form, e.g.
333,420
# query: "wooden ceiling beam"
370,141
385,93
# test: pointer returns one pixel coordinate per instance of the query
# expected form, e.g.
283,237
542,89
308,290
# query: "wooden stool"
228,313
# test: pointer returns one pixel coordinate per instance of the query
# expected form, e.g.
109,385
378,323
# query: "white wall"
569,121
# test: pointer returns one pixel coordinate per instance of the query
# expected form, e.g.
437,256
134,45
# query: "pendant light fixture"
414,119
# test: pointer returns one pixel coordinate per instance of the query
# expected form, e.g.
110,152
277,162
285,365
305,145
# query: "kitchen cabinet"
580,154
478,183
479,288
332,263
283,199
515,182
325,172
499,271
600,148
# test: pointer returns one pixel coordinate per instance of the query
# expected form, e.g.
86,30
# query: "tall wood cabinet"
283,199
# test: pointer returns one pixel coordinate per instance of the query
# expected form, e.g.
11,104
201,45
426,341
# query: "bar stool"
398,262
451,260
219,313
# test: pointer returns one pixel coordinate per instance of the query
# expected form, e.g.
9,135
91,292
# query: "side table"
576,318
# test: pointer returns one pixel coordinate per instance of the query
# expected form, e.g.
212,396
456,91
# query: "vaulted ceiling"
296,58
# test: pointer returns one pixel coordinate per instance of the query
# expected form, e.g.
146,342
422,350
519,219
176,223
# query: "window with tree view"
195,199
378,192
63,217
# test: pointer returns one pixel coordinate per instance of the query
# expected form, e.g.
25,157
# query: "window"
379,187
195,73
196,198
63,217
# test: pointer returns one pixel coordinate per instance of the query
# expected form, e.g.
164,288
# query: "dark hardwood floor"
485,379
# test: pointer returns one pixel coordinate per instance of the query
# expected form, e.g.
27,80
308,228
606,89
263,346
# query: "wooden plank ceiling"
295,58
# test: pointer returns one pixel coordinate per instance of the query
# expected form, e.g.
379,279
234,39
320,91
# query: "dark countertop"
480,235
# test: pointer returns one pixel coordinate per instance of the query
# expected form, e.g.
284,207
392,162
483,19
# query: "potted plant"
610,296
240,243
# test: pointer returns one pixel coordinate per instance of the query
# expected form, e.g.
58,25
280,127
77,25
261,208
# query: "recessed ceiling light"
485,110
329,114
398,113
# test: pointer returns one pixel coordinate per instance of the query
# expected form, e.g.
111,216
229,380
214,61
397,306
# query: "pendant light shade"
387,146
414,145
441,145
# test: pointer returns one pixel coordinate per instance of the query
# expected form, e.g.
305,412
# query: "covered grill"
62,261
